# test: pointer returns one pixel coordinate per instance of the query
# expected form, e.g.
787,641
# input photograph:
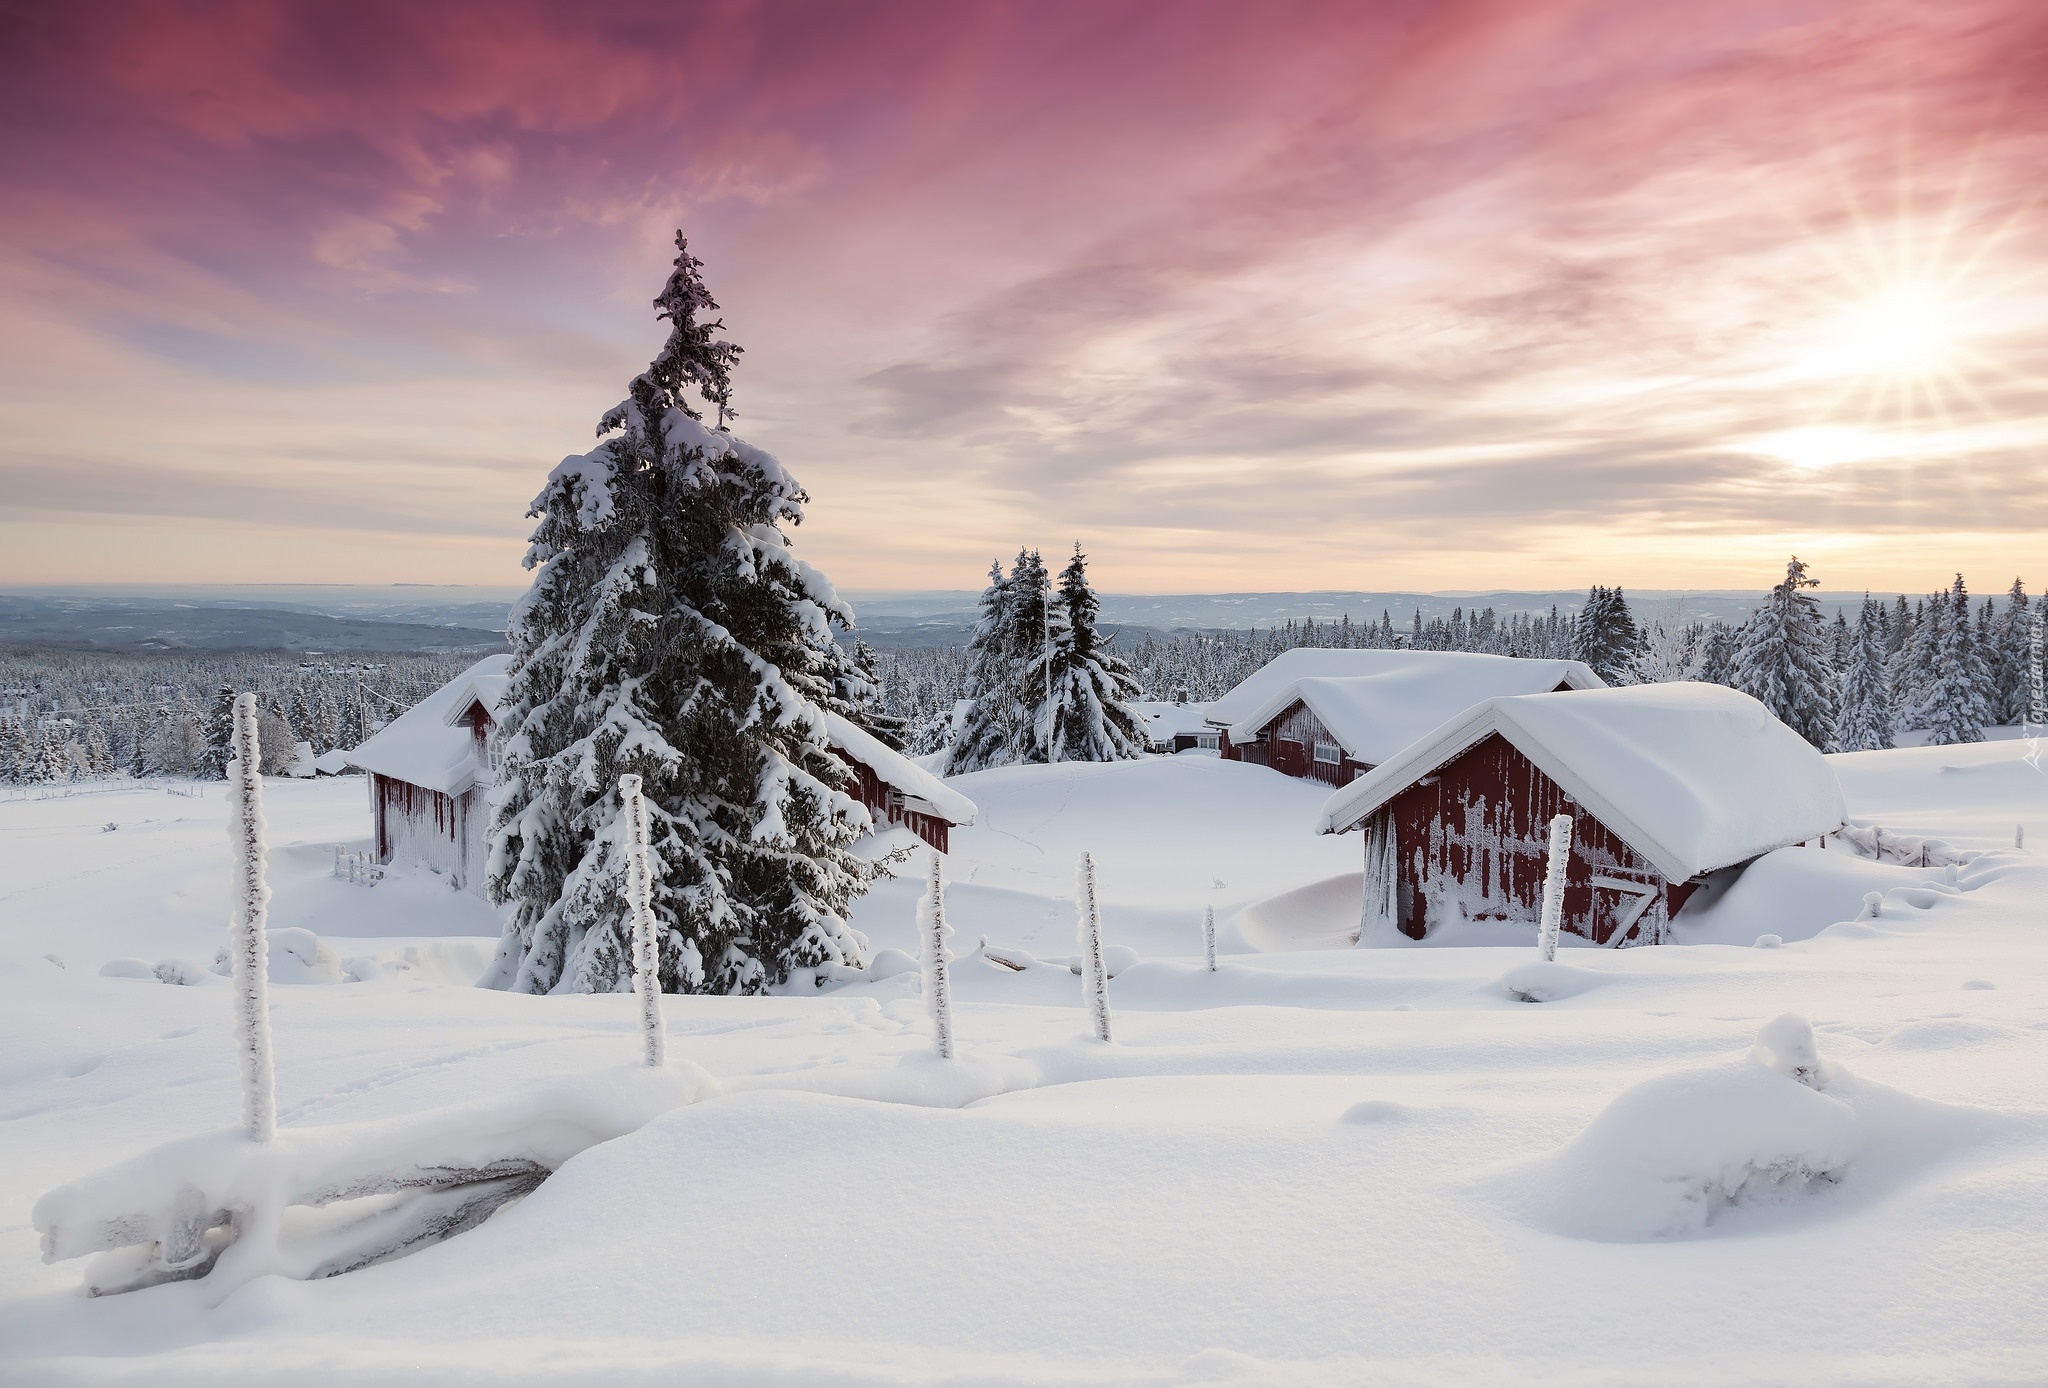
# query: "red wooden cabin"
1333,715
1664,784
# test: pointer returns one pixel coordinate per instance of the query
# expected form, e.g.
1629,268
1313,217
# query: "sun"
1906,330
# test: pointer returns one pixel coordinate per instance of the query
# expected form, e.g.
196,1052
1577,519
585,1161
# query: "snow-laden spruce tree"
1955,702
1089,717
671,633
1007,671
1785,659
985,736
1866,718
1604,636
2008,658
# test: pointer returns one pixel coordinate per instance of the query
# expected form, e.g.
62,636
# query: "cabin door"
1627,910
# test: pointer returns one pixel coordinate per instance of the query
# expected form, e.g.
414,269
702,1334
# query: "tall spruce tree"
1954,704
1866,719
1605,636
670,632
1008,674
1089,717
1785,658
987,735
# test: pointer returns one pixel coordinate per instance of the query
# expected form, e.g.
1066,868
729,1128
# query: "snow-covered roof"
899,773
427,745
1692,776
1377,702
1166,721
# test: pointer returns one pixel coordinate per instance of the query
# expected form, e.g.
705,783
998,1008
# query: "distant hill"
455,618
105,622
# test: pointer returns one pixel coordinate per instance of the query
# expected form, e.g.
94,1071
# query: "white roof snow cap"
1692,776
425,745
1169,720
1377,702
899,772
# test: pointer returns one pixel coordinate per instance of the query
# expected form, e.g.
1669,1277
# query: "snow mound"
1321,915
1794,894
1375,1111
1542,980
1676,1155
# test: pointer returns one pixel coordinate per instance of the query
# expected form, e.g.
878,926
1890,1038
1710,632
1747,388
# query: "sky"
1253,297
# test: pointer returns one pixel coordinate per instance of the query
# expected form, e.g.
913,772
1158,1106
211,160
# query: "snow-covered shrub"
1209,936
1673,1155
250,952
932,933
1094,977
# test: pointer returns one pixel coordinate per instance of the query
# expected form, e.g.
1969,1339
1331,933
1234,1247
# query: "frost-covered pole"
249,957
1553,883
933,932
1094,977
646,953
1209,935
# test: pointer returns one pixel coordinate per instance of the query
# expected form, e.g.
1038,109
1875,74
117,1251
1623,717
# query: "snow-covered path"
1308,1167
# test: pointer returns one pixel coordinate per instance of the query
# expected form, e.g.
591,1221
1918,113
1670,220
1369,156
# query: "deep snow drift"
1317,1164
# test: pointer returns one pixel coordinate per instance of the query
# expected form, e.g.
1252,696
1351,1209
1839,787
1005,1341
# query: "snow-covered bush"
1209,936
1674,1155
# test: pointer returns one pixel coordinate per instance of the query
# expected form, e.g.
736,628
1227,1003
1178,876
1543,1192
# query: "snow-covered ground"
1316,1165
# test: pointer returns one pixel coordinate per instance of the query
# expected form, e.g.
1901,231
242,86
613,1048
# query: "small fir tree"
1089,717
1785,660
220,737
671,633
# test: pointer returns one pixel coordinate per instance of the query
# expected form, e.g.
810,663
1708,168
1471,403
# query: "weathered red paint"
1478,829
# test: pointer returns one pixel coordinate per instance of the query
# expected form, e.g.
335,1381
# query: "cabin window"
1209,742
895,798
1329,754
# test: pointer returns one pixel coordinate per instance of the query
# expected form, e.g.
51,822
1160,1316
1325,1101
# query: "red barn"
432,766
1333,715
430,769
895,789
1664,783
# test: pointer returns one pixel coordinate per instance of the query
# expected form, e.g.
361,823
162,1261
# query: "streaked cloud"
1463,294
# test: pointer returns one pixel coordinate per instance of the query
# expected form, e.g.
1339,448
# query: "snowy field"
1318,1165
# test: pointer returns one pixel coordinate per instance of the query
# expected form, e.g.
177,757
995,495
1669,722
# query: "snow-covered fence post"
249,956
932,932
646,953
1094,977
1209,935
1553,883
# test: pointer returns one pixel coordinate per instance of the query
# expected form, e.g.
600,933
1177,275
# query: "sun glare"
1907,330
